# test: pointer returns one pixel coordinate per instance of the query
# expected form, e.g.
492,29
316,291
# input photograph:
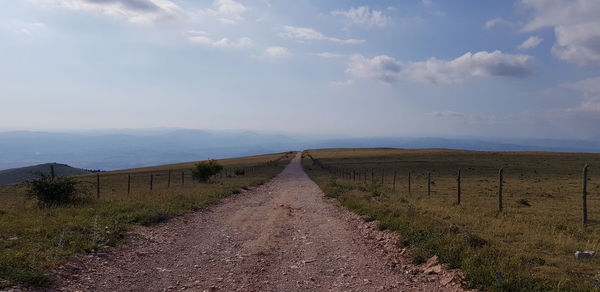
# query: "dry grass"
33,240
539,230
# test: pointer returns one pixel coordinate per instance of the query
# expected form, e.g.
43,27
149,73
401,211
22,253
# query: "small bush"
204,170
475,241
239,171
535,261
53,192
524,202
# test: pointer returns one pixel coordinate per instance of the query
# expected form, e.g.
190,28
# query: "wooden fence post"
98,186
151,180
394,183
584,195
409,182
52,174
458,188
382,175
182,177
169,179
429,183
500,190
372,176
128,184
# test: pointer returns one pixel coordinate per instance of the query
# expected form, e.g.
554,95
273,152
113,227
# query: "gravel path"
283,235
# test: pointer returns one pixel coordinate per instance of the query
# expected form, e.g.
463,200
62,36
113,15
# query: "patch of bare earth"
283,235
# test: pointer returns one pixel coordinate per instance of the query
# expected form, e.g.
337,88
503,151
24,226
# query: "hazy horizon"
131,148
310,135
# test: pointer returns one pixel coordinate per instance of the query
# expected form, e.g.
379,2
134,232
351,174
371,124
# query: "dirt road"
281,236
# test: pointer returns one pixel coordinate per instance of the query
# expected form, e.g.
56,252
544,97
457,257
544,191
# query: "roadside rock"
433,270
585,254
432,261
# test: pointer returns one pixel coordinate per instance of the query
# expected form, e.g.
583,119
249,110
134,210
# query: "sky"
494,68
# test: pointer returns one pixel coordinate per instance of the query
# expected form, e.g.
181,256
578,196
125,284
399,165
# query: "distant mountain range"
119,149
17,175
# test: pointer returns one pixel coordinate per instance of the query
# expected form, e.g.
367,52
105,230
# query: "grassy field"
528,247
33,241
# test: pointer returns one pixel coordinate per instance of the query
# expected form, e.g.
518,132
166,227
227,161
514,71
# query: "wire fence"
423,182
123,182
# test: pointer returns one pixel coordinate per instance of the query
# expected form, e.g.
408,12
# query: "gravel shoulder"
283,235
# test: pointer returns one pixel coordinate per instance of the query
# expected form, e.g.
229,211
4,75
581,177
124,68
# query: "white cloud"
196,32
202,38
28,28
330,55
341,83
496,22
136,11
530,43
389,70
589,105
301,33
228,11
364,16
309,34
589,86
446,114
277,52
347,41
590,89
382,68
576,25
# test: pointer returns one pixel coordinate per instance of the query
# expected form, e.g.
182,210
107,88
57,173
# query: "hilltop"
22,174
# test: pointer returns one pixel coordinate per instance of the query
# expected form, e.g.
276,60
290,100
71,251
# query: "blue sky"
526,68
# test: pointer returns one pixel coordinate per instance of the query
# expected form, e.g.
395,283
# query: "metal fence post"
458,188
584,194
500,189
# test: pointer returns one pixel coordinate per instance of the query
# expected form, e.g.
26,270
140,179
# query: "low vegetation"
33,240
205,170
529,246
54,192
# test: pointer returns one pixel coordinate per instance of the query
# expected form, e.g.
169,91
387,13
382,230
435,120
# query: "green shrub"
204,170
53,192
239,171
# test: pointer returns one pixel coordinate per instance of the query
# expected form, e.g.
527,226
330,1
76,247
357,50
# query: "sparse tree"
204,170
52,192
